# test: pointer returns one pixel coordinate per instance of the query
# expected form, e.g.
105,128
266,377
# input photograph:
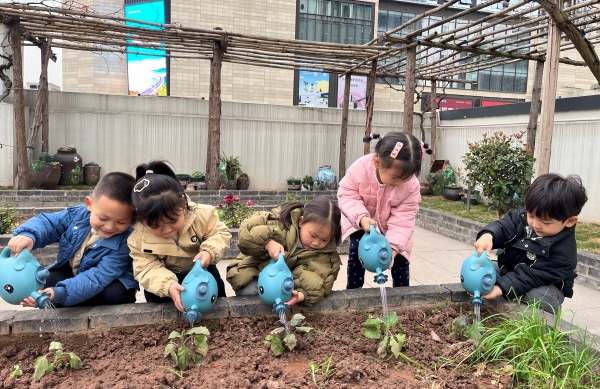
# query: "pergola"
499,32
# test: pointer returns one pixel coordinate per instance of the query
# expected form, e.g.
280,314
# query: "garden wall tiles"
38,320
424,295
363,298
125,315
248,306
334,302
5,319
457,293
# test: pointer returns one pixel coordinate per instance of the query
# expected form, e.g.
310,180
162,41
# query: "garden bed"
132,357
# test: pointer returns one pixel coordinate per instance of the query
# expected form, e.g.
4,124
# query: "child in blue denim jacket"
93,266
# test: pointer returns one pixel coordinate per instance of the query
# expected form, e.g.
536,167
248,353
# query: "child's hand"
496,292
485,243
366,222
274,249
297,297
20,242
175,292
30,301
204,257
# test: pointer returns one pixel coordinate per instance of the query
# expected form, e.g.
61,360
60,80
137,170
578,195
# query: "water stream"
477,311
285,322
384,304
56,323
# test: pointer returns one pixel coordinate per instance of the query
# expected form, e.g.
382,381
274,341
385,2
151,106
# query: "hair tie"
141,185
422,151
396,150
149,171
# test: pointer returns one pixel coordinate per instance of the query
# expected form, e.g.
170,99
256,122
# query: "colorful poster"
358,92
313,89
147,68
492,103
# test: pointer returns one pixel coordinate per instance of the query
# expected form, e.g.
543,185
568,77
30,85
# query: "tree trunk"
535,107
22,178
370,104
344,132
214,118
409,89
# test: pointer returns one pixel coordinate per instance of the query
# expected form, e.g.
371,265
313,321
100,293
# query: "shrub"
234,212
501,167
8,218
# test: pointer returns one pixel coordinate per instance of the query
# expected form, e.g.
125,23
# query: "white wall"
272,142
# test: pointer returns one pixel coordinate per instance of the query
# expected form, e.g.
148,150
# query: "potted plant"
293,183
229,168
45,172
71,165
198,180
452,192
307,182
440,176
183,180
243,181
91,173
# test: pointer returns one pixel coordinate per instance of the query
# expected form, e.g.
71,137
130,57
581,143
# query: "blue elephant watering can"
275,285
22,276
478,276
375,253
200,293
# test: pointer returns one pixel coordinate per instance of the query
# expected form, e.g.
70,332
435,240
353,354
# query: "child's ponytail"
157,194
400,151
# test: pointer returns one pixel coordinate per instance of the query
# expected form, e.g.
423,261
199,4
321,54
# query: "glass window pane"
319,31
382,23
303,6
310,33
326,31
508,82
312,7
351,11
302,29
359,11
320,7
496,82
328,8
520,84
483,81
343,33
345,10
335,38
367,12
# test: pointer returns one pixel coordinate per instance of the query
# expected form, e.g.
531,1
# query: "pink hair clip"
396,150
149,171
141,185
422,151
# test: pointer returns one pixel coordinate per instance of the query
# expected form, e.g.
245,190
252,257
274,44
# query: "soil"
132,357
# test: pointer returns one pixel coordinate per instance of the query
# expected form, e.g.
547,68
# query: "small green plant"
91,164
16,372
76,175
295,197
376,328
324,370
43,160
43,366
307,181
289,340
291,180
8,218
540,354
187,347
197,174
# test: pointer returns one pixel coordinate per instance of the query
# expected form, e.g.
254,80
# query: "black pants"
212,269
115,293
356,271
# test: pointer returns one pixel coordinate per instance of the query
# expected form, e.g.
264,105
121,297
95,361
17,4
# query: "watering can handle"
280,257
372,229
5,252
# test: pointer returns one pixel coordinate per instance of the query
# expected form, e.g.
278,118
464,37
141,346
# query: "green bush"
500,166
8,218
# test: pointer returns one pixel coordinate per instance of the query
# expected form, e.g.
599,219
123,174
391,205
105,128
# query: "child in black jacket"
537,252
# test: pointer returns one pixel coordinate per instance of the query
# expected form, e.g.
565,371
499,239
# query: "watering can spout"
478,276
276,284
375,253
42,300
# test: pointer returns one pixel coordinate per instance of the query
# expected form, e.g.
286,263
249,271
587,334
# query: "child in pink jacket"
382,189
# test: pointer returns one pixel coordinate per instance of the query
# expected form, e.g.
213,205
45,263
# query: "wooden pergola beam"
583,46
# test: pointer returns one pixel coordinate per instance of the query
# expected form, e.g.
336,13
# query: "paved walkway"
436,260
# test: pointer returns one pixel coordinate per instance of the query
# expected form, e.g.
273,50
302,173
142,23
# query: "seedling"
375,328
323,369
17,372
61,360
289,340
182,354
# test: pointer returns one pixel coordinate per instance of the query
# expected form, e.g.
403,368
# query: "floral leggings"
356,271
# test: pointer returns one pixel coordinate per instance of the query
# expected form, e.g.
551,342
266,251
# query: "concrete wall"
8,145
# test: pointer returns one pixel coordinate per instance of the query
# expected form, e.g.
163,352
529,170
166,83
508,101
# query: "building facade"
338,21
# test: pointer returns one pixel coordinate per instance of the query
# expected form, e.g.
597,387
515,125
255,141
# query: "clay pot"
452,194
45,177
243,183
91,175
72,165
